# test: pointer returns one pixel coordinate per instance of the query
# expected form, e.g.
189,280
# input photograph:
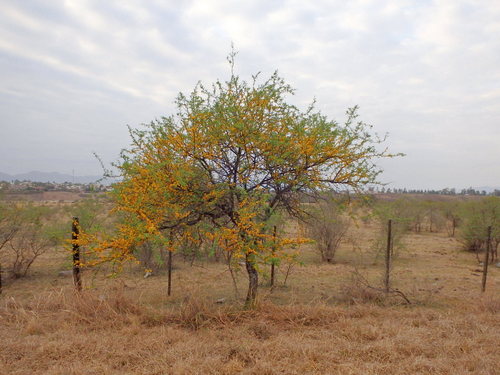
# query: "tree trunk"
485,264
273,252
253,280
75,231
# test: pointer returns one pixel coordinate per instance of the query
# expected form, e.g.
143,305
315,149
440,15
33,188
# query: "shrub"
477,216
26,232
327,227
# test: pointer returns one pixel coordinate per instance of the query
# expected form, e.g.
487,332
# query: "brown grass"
323,322
61,332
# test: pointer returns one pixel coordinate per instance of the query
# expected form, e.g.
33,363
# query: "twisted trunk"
253,280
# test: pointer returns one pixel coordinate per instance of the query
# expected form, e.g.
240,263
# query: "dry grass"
322,322
63,333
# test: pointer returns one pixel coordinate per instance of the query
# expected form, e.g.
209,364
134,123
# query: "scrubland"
326,319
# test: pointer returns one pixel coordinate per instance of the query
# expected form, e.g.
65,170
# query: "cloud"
75,72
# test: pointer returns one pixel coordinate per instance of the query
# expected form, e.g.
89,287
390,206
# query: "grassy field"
325,320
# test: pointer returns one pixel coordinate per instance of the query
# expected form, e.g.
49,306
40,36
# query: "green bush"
477,217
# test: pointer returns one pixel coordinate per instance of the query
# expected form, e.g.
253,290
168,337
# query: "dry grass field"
323,321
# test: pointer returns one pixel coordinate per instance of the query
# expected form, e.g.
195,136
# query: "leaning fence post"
486,260
75,231
388,256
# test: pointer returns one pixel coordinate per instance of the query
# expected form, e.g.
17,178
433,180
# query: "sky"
74,74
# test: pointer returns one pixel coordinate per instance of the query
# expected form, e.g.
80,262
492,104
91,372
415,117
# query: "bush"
402,215
327,227
26,232
151,256
477,217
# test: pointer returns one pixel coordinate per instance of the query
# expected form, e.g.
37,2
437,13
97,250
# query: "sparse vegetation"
327,319
477,216
26,233
327,226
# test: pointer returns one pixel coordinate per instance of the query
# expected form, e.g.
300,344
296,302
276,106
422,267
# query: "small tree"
435,216
400,213
26,232
327,227
477,217
451,211
92,213
413,212
10,223
233,155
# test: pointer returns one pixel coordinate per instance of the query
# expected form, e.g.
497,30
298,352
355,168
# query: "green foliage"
435,215
92,213
477,216
327,224
422,214
151,256
26,232
451,213
403,217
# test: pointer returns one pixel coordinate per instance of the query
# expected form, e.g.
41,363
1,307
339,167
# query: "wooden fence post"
486,260
169,265
75,231
169,289
388,256
273,253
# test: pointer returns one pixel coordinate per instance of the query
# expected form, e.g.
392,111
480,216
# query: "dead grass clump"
193,313
354,294
299,315
261,330
240,354
357,290
113,309
490,304
196,312
88,308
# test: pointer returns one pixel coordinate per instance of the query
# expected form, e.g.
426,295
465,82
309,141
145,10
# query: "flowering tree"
232,155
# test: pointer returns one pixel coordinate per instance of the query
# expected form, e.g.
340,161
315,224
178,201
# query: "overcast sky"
74,73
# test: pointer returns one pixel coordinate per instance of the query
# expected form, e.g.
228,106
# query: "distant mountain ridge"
37,176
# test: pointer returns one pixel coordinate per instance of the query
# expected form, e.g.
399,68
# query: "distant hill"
37,176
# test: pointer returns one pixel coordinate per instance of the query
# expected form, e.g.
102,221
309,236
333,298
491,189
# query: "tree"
233,155
451,212
478,215
26,232
10,223
327,227
401,213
